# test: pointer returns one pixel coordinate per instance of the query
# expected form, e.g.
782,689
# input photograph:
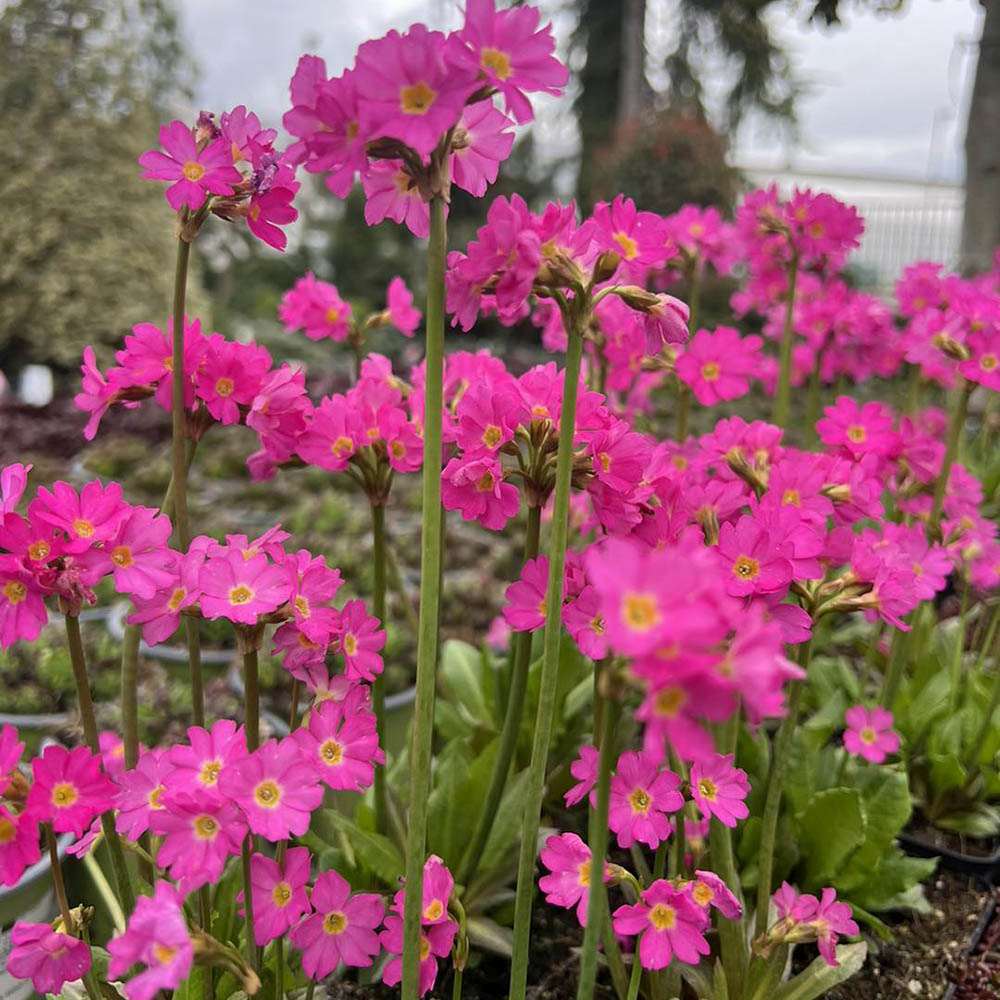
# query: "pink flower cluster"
417,109
230,166
806,918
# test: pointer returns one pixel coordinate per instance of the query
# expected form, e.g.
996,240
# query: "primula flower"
329,440
665,322
343,928
638,238
316,308
279,893
229,376
513,54
22,604
69,789
480,143
477,489
200,832
360,640
194,173
670,924
391,193
718,365
140,792
157,938
708,889
859,430
399,304
48,958
641,796
276,787
13,480
584,769
341,740
756,562
19,845
984,365
198,766
830,920
869,733
92,516
567,858
720,789
524,610
241,589
137,553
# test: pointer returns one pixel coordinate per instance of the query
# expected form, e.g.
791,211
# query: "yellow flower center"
702,894
669,702
597,625
640,612
176,598
708,789
224,386
302,606
7,830
332,752
640,801
710,371
155,796
193,171
163,953
497,61
857,433
282,895
492,436
332,315
583,873
350,644
988,362
868,735
121,556
335,922
83,528
416,99
267,794
14,591
205,827
746,568
240,594
37,551
486,482
208,774
433,910
425,949
342,446
605,459
629,247
792,497
663,917
64,795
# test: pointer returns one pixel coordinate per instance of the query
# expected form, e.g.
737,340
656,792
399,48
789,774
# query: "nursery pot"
987,917
985,868
31,900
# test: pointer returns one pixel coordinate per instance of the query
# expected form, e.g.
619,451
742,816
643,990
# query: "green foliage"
86,245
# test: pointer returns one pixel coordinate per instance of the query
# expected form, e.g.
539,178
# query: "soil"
918,962
977,976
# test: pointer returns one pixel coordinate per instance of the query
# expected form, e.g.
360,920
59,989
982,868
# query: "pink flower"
156,937
279,893
11,749
666,322
984,365
138,552
329,440
70,788
13,480
567,858
859,430
792,906
399,303
267,211
755,561
316,308
582,619
830,920
720,789
200,832
19,846
709,890
584,769
477,489
641,797
241,589
361,638
229,376
391,193
343,927
198,766
341,741
48,958
411,92
670,924
639,238
195,173
870,734
481,142
94,515
514,55
718,365
140,793
524,610
276,788
22,604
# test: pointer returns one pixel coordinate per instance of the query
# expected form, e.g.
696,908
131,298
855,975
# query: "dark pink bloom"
524,609
481,142
13,480
140,793
241,589
343,928
194,173
48,958
279,893
69,789
137,554
198,765
94,515
477,489
22,603
399,304
830,920
584,769
361,639
641,797
567,858
709,890
671,926
720,789
19,845
870,734
755,562
719,365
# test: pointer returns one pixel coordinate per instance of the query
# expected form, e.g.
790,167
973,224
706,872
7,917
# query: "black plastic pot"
984,868
986,918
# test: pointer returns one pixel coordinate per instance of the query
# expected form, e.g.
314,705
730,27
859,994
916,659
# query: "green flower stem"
179,462
976,747
958,678
550,665
456,985
279,968
511,723
378,688
678,845
430,600
57,879
783,396
813,398
251,698
694,301
959,413
293,711
251,946
735,951
635,978
596,906
772,798
894,671
126,893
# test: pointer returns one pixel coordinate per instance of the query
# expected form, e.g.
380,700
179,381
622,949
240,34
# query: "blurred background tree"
85,245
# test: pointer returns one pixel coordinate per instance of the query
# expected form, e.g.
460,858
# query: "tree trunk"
981,221
634,92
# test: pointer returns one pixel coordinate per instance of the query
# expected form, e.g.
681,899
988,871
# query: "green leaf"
947,772
374,852
490,936
504,832
461,678
982,820
815,980
448,816
894,884
830,828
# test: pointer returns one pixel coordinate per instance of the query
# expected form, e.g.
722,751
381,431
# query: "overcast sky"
887,94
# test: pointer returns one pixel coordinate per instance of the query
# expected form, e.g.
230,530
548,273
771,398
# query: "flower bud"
606,266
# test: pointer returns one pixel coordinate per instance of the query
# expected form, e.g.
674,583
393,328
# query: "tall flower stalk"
576,317
959,414
378,686
782,398
430,600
